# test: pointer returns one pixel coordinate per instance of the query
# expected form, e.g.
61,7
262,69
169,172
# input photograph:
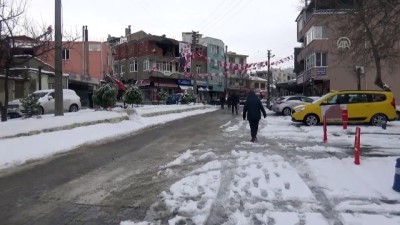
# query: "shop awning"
184,87
142,83
203,89
165,85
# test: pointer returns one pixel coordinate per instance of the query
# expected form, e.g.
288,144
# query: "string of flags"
234,69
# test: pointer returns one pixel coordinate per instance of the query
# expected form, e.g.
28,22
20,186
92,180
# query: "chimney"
128,31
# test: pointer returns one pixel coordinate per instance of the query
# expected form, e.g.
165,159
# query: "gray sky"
249,27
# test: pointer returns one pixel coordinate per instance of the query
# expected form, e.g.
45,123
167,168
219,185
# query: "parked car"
375,107
284,105
174,99
46,99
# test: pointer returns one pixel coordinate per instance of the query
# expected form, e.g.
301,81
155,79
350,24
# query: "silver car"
71,103
284,105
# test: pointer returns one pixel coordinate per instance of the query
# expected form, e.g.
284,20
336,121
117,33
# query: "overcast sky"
249,27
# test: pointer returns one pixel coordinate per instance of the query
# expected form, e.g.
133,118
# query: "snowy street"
202,169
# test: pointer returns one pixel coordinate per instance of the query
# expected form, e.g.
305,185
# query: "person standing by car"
253,109
234,102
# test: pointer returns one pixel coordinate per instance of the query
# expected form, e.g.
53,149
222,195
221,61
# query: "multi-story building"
236,78
154,63
318,64
215,55
27,72
86,62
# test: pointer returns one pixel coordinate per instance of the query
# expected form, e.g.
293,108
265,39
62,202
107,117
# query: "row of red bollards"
357,138
357,149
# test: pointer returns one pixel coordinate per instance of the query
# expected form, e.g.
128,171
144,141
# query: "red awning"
142,83
166,85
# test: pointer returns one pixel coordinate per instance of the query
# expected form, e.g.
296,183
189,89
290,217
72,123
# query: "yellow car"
375,107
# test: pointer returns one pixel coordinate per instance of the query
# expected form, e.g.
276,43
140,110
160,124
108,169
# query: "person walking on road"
229,101
222,101
234,103
253,109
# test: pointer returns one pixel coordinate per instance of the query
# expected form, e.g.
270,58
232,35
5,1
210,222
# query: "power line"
204,22
240,9
220,16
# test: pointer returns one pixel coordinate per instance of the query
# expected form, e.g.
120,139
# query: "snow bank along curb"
107,120
159,113
68,127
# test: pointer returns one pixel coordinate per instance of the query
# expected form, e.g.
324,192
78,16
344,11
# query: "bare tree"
373,28
13,23
11,13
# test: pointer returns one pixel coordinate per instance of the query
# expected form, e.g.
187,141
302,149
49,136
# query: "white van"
72,103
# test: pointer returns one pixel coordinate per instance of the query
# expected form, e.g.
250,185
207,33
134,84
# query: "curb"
172,111
68,127
111,120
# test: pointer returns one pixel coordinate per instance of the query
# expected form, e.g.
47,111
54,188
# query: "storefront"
150,87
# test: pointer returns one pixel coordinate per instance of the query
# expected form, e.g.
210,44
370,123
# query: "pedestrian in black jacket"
253,109
234,102
222,101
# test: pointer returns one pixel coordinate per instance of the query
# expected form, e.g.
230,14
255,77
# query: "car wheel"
378,119
311,120
73,108
287,111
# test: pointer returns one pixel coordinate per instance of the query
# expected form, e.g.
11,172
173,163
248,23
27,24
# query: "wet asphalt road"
102,184
121,180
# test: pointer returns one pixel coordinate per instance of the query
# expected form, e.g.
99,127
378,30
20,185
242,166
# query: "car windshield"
39,94
321,98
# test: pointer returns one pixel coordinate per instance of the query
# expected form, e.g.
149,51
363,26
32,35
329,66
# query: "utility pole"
226,70
59,111
269,80
358,78
193,64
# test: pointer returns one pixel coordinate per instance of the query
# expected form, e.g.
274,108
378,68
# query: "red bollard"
357,148
345,118
325,131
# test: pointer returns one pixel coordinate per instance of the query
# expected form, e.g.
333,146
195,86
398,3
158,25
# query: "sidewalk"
50,123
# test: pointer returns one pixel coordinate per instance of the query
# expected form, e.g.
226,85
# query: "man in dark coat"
234,102
253,109
222,101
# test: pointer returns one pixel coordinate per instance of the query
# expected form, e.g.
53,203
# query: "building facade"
27,72
318,63
215,55
85,62
236,77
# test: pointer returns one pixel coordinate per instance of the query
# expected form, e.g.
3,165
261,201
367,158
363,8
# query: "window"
65,54
133,66
315,33
146,65
214,49
122,69
318,59
231,60
214,64
164,66
241,61
198,69
115,70
358,98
